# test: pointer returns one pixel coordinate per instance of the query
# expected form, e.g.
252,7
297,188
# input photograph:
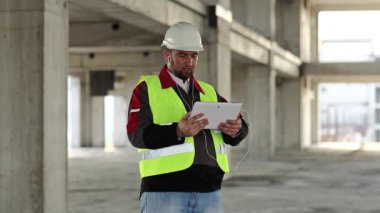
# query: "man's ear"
166,55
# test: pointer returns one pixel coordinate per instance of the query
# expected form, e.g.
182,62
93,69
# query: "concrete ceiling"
81,14
89,28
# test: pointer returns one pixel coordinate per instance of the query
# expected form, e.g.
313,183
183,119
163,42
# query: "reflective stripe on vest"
173,150
178,157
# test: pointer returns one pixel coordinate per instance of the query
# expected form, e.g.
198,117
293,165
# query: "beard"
184,73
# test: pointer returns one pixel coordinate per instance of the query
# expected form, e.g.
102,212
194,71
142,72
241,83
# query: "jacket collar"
167,81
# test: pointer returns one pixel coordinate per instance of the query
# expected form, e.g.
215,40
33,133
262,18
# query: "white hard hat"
183,36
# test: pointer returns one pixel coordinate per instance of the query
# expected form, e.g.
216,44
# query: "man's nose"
190,61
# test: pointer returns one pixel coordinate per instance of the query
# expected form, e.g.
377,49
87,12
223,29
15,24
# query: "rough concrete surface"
292,182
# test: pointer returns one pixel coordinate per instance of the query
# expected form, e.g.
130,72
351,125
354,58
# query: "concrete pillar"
292,27
261,104
288,25
97,121
305,33
256,14
259,81
280,131
289,134
33,90
314,112
85,110
241,94
219,55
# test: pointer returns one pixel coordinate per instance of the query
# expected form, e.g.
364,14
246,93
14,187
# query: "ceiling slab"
78,13
91,28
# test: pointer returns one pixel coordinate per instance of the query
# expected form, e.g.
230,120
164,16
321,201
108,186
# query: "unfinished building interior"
68,68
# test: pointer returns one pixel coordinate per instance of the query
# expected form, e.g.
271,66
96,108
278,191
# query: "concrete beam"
248,49
195,5
287,55
285,62
346,78
111,49
284,67
345,5
116,60
249,44
250,34
342,69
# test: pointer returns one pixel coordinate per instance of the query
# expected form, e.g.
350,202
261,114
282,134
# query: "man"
182,164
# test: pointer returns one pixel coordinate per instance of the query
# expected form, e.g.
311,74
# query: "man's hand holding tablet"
223,116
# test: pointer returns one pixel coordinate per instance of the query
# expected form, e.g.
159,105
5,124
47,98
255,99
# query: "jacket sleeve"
234,141
142,132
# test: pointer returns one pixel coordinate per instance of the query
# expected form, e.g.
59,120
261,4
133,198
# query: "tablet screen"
216,112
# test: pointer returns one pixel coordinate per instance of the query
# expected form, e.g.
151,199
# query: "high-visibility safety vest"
167,108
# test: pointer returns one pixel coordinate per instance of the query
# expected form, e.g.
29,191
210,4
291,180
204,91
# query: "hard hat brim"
183,48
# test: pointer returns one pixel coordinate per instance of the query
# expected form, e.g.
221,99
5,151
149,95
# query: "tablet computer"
216,112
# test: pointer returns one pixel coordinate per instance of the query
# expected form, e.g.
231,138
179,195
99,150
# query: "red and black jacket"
204,175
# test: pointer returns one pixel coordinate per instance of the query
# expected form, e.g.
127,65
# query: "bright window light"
349,112
348,36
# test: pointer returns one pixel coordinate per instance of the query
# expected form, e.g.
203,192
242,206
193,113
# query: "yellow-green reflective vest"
167,108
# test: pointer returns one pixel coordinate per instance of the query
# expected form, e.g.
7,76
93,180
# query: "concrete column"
292,27
260,104
269,15
314,112
33,90
288,25
219,55
305,32
259,81
289,136
240,93
257,14
97,121
85,110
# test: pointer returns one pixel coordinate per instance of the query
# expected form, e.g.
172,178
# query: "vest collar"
167,81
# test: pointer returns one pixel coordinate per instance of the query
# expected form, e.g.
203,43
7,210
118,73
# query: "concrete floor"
293,182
